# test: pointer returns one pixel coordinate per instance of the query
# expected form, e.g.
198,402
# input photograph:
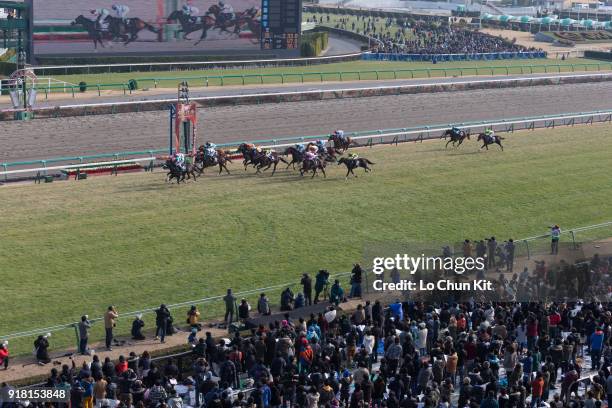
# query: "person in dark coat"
161,321
307,286
42,349
137,326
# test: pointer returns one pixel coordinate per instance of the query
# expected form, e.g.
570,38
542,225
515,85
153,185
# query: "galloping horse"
93,32
268,160
190,25
224,24
206,161
296,156
352,164
454,138
487,140
329,154
128,29
341,144
249,152
313,165
175,172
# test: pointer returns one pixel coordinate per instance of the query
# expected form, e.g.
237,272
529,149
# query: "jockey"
353,156
313,148
310,156
270,154
191,12
340,134
455,131
321,145
101,16
121,11
179,160
210,149
490,134
300,148
227,12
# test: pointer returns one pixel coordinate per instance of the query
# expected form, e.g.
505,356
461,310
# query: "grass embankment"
70,248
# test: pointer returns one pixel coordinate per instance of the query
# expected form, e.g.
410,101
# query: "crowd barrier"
453,57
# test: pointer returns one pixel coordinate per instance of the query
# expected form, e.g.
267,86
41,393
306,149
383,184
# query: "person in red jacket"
121,366
537,390
4,355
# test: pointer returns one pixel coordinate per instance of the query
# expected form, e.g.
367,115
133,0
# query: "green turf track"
70,248
196,78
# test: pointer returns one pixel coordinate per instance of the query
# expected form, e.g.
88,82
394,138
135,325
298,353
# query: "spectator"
162,316
193,316
555,234
336,294
356,277
110,321
41,347
306,283
137,326
88,388
230,307
263,305
4,355
286,301
243,310
84,326
321,282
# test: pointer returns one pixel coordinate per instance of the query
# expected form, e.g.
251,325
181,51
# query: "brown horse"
329,154
342,144
205,161
314,166
249,153
175,172
455,138
266,160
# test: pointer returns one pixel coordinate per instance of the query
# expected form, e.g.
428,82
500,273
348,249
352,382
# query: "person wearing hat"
4,355
84,326
137,326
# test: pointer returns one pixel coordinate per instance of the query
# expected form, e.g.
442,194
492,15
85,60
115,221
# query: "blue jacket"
597,340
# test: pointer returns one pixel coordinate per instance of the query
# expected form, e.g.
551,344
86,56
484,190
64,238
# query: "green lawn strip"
134,241
312,73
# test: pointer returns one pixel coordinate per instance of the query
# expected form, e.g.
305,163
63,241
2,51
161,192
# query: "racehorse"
329,154
313,165
224,24
206,161
249,152
267,161
190,25
341,144
93,32
296,156
352,164
454,138
128,29
179,174
487,140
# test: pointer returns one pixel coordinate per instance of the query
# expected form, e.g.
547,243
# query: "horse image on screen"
62,27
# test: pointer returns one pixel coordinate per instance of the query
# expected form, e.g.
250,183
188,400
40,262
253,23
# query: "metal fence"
454,57
28,169
322,76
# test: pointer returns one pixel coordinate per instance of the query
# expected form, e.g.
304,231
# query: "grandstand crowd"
476,353
422,37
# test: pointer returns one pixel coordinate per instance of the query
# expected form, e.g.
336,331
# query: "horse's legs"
323,171
500,145
446,146
348,171
274,169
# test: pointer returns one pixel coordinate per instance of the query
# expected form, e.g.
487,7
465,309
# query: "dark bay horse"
455,138
90,26
175,172
249,153
352,164
192,24
265,161
314,166
296,156
128,30
487,140
342,144
221,160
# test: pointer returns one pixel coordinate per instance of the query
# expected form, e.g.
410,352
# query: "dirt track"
46,138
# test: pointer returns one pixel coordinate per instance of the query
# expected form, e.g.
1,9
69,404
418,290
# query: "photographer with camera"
110,323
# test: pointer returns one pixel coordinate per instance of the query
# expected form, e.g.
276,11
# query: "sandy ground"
46,138
527,39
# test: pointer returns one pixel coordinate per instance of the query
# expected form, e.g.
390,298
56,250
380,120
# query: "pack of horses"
127,30
263,160
458,138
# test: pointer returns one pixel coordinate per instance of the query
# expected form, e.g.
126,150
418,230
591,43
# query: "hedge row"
598,55
313,44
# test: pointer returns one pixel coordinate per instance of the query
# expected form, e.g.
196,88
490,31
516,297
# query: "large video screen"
65,27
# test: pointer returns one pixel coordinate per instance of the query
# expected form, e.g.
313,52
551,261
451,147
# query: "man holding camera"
110,318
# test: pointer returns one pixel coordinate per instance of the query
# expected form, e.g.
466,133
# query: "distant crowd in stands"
422,37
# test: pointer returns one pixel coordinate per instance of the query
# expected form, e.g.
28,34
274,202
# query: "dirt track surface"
48,138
